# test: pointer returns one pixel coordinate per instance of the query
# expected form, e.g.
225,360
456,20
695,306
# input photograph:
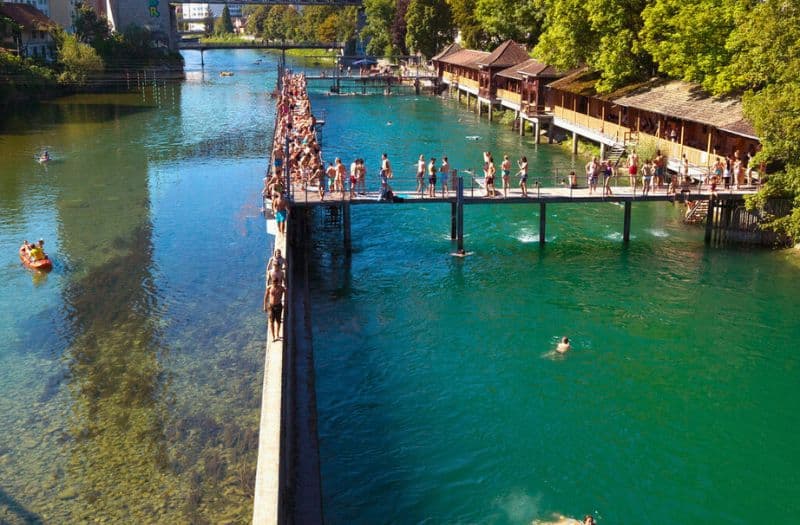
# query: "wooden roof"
452,48
464,57
530,68
507,54
672,98
686,101
27,16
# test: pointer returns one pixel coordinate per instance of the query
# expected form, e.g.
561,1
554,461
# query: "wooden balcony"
697,158
509,96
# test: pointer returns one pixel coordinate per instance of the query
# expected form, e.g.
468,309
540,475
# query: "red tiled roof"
530,68
452,48
27,16
465,57
507,54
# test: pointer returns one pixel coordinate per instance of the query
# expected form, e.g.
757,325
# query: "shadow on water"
12,511
57,114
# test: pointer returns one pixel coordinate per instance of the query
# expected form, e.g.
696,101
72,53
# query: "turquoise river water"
130,375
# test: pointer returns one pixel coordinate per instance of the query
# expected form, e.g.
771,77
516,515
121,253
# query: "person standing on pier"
353,177
432,178
341,172
592,171
490,172
633,169
421,175
281,208
386,166
273,305
505,171
607,172
647,176
661,169
445,171
523,175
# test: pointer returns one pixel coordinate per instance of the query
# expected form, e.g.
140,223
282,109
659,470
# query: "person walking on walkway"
273,305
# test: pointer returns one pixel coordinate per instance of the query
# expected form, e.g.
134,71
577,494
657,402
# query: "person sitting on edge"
563,346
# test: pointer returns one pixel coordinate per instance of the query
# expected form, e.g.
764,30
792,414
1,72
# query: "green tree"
223,25
688,38
473,35
256,16
282,23
208,22
379,15
429,26
766,62
311,19
519,20
328,29
78,59
603,34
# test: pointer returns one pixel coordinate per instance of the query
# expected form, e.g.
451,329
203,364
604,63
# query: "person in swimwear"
432,177
523,175
281,208
505,172
273,305
564,346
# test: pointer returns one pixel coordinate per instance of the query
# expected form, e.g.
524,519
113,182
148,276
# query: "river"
131,374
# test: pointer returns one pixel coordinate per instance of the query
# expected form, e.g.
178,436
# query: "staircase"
615,153
696,213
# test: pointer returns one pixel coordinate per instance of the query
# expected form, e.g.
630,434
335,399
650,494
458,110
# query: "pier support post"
453,221
348,247
489,105
550,128
536,132
542,222
460,214
574,142
478,101
602,151
521,125
202,63
710,220
626,229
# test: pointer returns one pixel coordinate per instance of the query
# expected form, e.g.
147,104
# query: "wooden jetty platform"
541,196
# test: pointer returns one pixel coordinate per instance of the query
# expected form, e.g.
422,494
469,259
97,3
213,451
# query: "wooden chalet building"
678,117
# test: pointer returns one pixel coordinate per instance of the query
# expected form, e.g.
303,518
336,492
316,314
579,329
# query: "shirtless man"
564,346
633,169
353,177
421,175
386,166
445,171
281,208
592,170
432,178
341,172
273,305
330,175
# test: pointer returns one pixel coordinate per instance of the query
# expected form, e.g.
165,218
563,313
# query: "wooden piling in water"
626,231
348,244
542,222
460,214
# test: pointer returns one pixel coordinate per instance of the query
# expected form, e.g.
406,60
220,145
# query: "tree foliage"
501,20
223,25
379,15
473,35
78,59
399,28
430,26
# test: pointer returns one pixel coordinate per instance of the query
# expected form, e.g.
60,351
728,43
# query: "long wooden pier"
541,196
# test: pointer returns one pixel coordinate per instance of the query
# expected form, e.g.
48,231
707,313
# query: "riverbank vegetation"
316,23
742,48
93,57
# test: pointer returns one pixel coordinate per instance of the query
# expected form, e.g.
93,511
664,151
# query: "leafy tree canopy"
429,26
223,25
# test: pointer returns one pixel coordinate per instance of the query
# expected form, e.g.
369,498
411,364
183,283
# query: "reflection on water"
130,375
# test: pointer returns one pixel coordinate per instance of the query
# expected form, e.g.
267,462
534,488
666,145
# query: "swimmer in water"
564,346
388,122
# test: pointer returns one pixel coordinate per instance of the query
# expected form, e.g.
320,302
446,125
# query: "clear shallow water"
440,399
131,374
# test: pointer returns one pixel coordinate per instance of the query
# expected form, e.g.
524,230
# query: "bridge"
256,44
281,2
